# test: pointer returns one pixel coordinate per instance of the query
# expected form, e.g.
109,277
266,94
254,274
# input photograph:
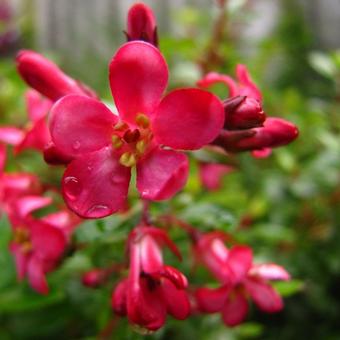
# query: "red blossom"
105,146
37,245
152,289
240,280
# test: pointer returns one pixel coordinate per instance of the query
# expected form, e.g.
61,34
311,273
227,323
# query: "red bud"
141,24
46,77
243,113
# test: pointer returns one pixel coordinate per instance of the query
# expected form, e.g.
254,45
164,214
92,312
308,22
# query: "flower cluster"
149,132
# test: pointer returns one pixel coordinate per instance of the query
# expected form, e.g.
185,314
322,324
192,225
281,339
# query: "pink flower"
36,135
152,289
240,278
105,146
243,87
246,127
47,78
37,245
211,174
141,24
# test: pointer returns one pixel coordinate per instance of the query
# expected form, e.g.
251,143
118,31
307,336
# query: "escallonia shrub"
149,133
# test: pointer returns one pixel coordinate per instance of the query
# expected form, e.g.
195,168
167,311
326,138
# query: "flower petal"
138,78
212,78
36,275
235,309
20,260
150,255
211,174
37,106
2,158
247,87
27,204
264,296
145,307
269,271
211,300
176,300
81,124
188,119
239,261
95,185
65,220
48,242
36,138
262,153
161,174
11,135
118,299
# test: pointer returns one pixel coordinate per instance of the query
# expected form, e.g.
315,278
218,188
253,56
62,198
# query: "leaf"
19,300
288,288
323,64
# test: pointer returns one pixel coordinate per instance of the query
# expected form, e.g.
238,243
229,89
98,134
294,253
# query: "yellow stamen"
142,120
141,146
116,142
26,247
120,126
127,159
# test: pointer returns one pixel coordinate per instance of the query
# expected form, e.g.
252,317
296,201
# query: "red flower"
141,24
47,78
104,148
240,280
37,245
246,127
152,289
211,174
36,135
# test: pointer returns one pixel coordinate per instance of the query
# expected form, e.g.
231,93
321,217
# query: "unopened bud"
141,24
93,278
243,113
274,132
46,77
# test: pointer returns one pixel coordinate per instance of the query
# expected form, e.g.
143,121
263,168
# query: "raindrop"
72,187
76,145
98,210
118,179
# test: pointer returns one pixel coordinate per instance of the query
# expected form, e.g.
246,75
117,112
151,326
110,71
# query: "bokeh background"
286,206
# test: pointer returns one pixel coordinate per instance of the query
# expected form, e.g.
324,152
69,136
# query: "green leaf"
288,288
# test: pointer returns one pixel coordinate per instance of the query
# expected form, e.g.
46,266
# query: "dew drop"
76,145
72,187
98,210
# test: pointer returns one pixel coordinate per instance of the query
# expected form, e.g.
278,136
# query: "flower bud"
274,132
93,278
243,113
141,24
46,77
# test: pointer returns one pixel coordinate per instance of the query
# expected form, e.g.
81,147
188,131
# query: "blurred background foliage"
286,207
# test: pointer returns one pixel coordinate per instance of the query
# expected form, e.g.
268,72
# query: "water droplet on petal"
72,187
98,210
76,145
145,192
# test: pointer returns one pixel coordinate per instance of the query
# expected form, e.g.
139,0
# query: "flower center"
22,238
133,142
